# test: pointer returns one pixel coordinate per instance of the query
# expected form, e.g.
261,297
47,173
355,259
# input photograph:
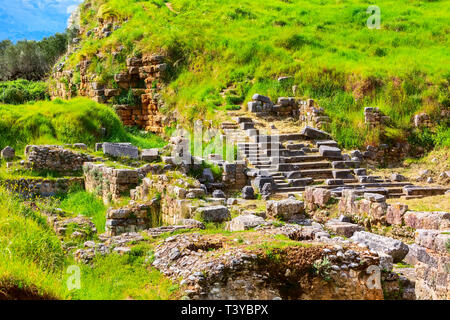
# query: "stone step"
343,174
306,158
318,173
301,182
395,195
243,120
279,138
291,137
345,164
271,146
425,191
260,163
247,125
263,166
295,146
395,190
283,167
329,143
290,189
258,158
282,185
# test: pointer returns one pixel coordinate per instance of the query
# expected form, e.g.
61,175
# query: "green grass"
32,258
117,277
73,121
22,91
324,45
86,204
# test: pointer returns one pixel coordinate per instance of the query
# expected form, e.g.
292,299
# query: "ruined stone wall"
55,158
312,115
31,188
430,254
385,155
373,210
109,183
236,273
144,77
234,175
262,105
374,117
176,197
133,218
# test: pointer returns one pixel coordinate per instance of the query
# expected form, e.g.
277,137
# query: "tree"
32,60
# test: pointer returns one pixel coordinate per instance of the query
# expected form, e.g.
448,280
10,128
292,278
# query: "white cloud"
71,8
34,16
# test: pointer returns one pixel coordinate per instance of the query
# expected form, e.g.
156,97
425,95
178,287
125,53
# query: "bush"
22,91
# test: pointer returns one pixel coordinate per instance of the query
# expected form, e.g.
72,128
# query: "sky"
34,19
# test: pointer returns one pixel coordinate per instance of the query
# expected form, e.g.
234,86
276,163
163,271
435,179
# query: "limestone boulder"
427,220
395,213
395,248
285,209
150,155
214,213
219,194
244,222
8,154
248,193
315,134
321,196
345,229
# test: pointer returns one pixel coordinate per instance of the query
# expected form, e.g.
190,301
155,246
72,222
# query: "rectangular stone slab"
330,152
121,150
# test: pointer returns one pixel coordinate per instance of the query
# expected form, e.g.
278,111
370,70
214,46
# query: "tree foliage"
31,60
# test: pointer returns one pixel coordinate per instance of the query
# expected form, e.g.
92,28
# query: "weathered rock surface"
313,133
248,193
427,220
8,154
343,228
150,155
214,214
395,248
285,209
330,152
244,222
216,267
219,194
121,150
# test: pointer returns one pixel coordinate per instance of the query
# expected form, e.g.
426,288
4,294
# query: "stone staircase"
297,160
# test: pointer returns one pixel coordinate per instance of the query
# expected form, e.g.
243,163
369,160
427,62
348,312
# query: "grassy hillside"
325,45
58,121
33,263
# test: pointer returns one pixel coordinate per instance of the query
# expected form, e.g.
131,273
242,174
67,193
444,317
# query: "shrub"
22,91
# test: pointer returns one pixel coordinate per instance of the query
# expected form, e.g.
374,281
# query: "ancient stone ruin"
300,218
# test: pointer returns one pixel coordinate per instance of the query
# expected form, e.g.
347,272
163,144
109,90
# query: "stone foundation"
109,183
133,218
55,158
380,213
312,115
431,257
374,117
234,175
176,197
